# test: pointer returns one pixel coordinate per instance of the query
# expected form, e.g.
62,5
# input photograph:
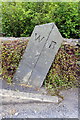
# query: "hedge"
20,18
62,74
11,54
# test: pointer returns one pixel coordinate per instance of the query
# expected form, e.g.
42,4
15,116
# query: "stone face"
39,55
46,58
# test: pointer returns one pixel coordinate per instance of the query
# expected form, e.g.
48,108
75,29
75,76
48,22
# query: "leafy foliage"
62,74
20,18
12,52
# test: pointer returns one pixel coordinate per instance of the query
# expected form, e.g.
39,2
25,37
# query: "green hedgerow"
62,74
12,52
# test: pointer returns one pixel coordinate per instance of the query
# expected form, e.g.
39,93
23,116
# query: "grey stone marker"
39,55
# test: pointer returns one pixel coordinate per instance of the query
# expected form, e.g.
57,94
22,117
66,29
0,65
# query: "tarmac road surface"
68,108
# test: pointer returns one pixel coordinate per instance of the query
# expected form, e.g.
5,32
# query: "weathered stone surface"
46,58
9,95
32,52
39,55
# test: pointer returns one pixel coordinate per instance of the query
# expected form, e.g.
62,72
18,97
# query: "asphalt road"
68,108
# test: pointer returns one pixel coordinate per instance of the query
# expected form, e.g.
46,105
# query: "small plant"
9,80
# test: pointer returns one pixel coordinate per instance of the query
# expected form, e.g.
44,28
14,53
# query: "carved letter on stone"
52,45
38,37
